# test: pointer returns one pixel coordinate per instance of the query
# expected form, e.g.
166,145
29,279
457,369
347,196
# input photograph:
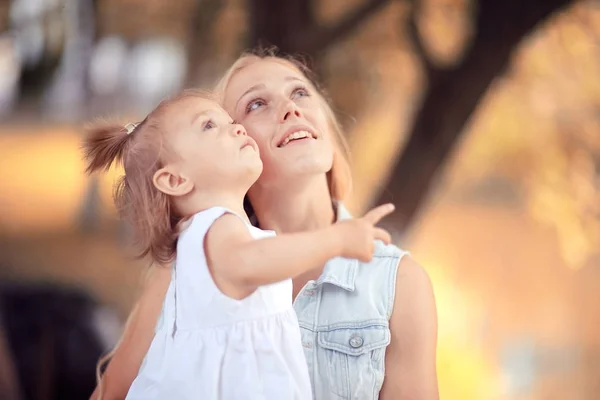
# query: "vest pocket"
353,359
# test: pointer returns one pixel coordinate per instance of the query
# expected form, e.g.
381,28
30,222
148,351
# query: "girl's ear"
172,184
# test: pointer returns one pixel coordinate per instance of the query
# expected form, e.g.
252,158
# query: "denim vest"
344,319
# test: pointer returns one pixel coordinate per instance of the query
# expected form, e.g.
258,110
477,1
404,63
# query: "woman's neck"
306,207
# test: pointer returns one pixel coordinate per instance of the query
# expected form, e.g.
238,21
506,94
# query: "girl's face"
283,112
208,148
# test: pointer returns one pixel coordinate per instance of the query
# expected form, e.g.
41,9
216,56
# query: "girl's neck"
202,201
305,207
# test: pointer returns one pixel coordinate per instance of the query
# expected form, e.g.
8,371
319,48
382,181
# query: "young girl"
228,329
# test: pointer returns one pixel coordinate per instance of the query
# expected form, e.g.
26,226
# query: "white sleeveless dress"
209,346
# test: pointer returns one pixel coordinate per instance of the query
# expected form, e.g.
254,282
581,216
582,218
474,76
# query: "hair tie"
130,127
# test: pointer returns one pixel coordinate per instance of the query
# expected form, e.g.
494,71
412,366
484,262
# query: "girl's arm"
136,339
238,261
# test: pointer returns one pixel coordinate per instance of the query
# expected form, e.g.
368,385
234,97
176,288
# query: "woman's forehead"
261,72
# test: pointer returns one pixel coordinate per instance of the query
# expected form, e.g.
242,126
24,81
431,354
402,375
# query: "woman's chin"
319,160
311,165
293,174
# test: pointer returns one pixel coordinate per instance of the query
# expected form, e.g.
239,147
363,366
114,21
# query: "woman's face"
283,113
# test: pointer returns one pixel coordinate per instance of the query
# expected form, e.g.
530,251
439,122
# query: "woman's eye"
209,125
300,92
253,105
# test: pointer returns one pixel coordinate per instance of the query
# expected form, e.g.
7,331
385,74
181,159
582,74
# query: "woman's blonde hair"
339,177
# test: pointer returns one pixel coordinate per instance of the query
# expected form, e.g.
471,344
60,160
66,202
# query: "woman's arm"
136,339
410,363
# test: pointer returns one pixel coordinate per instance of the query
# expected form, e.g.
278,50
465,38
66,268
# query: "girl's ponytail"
105,145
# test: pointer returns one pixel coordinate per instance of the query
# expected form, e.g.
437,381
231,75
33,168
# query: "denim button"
356,341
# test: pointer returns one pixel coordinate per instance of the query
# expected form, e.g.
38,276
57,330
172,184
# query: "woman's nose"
290,111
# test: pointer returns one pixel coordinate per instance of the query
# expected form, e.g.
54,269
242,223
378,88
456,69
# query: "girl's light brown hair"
147,210
141,153
339,177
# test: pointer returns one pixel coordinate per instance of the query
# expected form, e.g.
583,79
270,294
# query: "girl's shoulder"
203,220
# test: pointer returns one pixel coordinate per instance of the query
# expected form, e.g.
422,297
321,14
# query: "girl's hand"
358,235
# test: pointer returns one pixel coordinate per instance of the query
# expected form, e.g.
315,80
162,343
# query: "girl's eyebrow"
198,115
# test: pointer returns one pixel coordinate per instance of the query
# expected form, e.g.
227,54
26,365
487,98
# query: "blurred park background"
480,119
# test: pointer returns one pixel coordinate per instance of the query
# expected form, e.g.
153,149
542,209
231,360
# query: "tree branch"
201,42
279,23
320,38
450,101
420,49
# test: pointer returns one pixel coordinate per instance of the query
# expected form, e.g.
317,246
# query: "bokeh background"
480,119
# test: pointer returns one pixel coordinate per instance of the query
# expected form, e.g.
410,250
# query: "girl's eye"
254,105
209,125
300,91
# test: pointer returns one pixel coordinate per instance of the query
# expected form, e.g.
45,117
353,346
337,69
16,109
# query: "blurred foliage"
540,129
532,147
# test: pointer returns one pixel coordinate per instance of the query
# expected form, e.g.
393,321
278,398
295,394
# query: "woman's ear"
171,183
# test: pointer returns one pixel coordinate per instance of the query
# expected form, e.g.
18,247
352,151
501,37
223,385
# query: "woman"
369,330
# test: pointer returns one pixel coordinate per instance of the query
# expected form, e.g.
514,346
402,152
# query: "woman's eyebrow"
294,78
252,89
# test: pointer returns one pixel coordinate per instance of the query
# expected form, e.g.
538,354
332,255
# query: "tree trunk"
201,41
277,22
452,97
292,27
